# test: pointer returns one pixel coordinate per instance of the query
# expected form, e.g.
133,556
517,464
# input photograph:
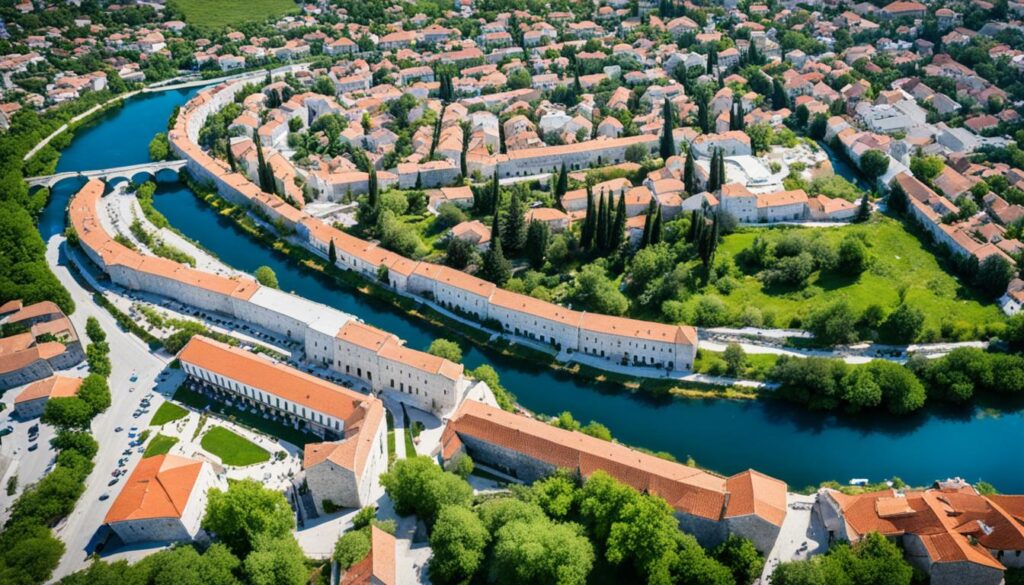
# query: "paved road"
128,355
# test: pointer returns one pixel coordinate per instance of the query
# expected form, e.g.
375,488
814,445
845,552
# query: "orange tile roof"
353,451
536,307
942,518
52,387
273,378
33,311
649,330
160,487
686,489
421,360
378,567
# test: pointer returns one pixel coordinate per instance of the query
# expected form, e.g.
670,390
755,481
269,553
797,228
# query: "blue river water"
797,446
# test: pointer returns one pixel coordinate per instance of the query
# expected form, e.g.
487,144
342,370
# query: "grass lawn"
160,445
220,13
167,412
245,418
899,260
712,362
232,448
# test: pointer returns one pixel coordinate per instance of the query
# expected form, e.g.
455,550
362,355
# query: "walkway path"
109,174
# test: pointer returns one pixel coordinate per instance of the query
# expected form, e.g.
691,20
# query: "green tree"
644,536
94,330
740,556
513,231
926,167
554,494
818,126
418,486
735,359
245,511
874,163
537,238
351,548
902,392
853,255
446,349
562,184
593,290
95,393
276,561
833,324
457,542
70,412
994,275
159,147
689,183
332,253
618,225
904,324
459,253
667,146
540,551
265,275
495,267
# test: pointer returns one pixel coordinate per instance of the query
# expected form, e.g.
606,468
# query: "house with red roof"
163,500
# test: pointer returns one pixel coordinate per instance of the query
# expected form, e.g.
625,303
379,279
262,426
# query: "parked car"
6,431
118,429
33,446
105,495
113,481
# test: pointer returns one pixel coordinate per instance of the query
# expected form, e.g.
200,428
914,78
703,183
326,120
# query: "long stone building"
344,470
616,340
426,381
709,506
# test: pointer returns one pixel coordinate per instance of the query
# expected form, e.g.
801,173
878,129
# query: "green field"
232,448
899,260
221,13
167,412
159,445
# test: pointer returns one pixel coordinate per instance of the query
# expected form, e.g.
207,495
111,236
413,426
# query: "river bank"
800,447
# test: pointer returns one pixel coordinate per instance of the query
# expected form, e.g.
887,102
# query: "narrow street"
129,356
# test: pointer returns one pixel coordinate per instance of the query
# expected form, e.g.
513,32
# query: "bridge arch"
68,181
166,176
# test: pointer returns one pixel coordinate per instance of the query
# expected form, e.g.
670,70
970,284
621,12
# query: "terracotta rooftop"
52,387
686,489
160,487
274,378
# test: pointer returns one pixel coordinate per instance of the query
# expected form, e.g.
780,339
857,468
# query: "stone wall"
507,461
155,529
758,530
329,481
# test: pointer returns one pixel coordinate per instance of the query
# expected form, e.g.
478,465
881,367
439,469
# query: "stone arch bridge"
110,174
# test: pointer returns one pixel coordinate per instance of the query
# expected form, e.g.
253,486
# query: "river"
797,446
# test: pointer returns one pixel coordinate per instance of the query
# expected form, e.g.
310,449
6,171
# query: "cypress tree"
261,164
779,98
703,117
864,211
537,235
619,227
668,144
373,190
332,253
645,240
562,185
602,223
656,227
514,229
495,229
231,158
495,194
688,179
691,235
495,267
587,231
